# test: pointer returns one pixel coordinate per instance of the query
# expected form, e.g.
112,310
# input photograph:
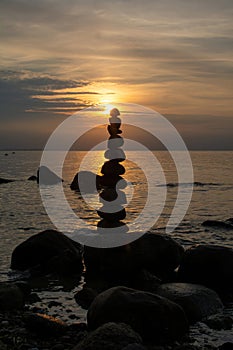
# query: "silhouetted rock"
85,296
5,181
11,297
218,224
44,325
48,251
159,254
152,316
112,167
47,177
197,301
117,154
112,217
87,181
32,178
209,265
114,336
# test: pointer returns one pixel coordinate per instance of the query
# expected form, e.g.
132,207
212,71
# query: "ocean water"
22,213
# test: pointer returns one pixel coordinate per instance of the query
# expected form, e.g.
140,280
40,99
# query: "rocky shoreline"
145,295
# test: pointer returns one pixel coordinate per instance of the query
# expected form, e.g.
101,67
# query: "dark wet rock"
209,265
87,181
218,224
230,220
45,176
11,297
144,280
226,346
44,325
113,181
48,251
114,130
5,181
197,301
32,178
219,322
85,296
152,316
114,336
158,254
112,167
117,154
117,214
115,142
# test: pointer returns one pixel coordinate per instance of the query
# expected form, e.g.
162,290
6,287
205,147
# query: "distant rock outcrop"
5,181
227,225
47,177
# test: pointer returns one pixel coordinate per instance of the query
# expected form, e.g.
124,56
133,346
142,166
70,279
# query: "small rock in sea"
218,224
11,297
219,322
208,265
85,296
152,316
197,301
45,176
44,325
5,181
32,178
54,303
114,336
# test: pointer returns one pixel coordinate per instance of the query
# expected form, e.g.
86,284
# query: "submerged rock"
218,224
114,336
209,265
197,301
159,254
152,316
49,251
45,176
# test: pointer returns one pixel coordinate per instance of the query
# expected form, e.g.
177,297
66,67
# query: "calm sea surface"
22,213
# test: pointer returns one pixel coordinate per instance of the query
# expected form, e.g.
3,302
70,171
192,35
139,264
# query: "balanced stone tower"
111,196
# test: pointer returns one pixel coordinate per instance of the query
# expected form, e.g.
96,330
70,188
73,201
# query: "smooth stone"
113,130
114,112
44,325
115,120
45,176
113,181
5,181
115,216
156,253
48,251
122,227
197,301
114,336
85,297
112,167
11,297
87,181
152,316
209,265
110,194
32,178
115,154
115,142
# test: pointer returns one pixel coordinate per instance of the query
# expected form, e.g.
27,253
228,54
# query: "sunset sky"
174,56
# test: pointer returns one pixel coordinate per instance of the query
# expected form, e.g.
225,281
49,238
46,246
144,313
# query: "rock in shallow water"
11,297
209,265
197,301
114,336
49,251
153,317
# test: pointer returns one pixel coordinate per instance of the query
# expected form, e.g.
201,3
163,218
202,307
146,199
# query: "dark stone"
114,112
32,178
209,265
115,142
11,297
226,346
44,325
112,224
49,251
114,336
153,317
85,296
87,181
5,181
219,322
116,216
197,301
47,177
113,181
158,254
112,167
116,154
114,130
218,224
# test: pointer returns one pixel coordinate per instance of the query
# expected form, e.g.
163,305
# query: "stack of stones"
111,196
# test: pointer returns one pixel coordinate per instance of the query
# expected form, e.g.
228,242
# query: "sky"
174,56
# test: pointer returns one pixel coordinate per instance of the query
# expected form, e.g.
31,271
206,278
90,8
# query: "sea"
22,213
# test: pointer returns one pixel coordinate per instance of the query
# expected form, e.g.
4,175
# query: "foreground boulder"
209,265
158,254
152,316
49,251
114,336
45,176
87,181
11,297
197,301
